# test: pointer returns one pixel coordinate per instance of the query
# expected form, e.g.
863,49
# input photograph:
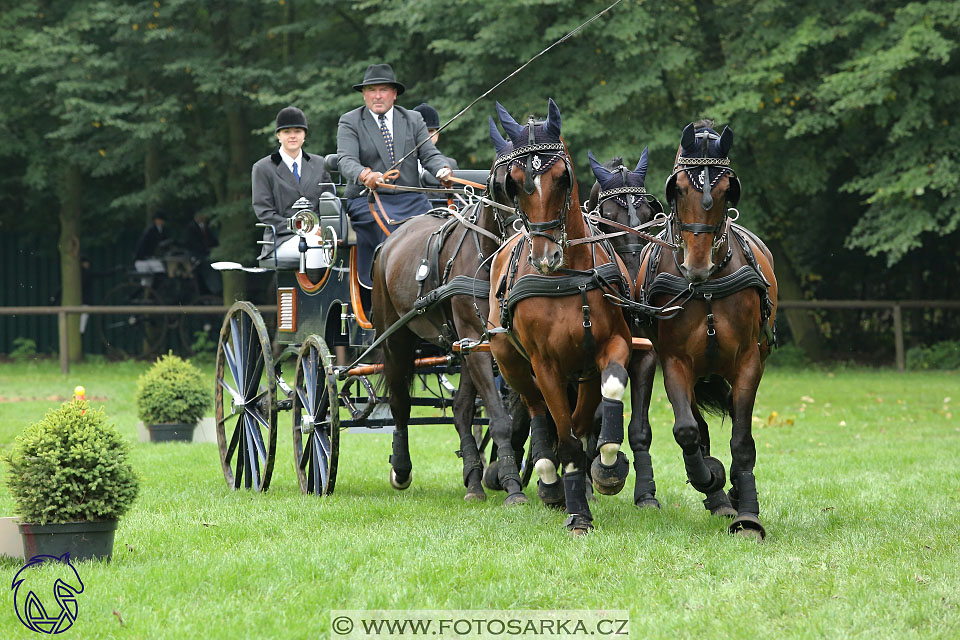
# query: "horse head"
619,195
539,180
699,190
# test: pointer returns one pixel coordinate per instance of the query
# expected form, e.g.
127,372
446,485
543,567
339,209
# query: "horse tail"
713,395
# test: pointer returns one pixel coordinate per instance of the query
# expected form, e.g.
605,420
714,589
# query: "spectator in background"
431,118
146,259
198,240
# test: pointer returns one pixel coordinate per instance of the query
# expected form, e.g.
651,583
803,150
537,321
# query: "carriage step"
641,344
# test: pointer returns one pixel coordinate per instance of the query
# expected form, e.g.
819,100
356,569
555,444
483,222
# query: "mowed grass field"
859,486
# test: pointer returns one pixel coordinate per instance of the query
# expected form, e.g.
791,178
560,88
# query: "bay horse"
620,195
712,353
420,257
551,322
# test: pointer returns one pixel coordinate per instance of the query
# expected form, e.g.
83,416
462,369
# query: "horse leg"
464,408
702,472
716,502
609,469
744,451
642,369
504,472
398,373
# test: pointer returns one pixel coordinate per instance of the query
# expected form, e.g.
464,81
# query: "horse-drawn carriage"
317,320
702,292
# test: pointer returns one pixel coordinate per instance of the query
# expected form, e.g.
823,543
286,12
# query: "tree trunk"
71,191
151,176
803,329
236,238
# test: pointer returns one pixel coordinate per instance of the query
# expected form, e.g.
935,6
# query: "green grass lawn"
859,488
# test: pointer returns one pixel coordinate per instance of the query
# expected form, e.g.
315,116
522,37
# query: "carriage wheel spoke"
322,464
241,455
304,456
256,437
253,462
310,380
231,359
234,439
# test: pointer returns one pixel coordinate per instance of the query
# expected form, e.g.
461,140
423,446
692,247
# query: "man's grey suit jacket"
360,144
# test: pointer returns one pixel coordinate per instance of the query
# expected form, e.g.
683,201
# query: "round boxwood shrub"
70,466
172,391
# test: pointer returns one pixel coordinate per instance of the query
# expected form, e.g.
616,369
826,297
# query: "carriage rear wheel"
246,399
316,419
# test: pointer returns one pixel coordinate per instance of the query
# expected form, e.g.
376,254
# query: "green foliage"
942,355
23,349
204,347
172,391
70,466
788,356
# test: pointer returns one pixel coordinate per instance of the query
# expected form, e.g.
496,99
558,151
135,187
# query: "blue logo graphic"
31,610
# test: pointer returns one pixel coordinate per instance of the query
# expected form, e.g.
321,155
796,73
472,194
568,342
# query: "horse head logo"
27,585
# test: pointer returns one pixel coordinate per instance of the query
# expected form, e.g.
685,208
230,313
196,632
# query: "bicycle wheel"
131,333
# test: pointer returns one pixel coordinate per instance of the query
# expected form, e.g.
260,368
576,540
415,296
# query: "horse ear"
553,118
498,142
603,174
726,142
688,139
514,130
641,170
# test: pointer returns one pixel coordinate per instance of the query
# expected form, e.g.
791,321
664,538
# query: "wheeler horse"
619,195
712,353
434,271
552,322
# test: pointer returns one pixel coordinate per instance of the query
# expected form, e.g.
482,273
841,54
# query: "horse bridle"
531,154
635,193
719,230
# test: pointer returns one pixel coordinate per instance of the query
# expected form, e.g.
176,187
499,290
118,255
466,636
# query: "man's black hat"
291,118
380,74
430,115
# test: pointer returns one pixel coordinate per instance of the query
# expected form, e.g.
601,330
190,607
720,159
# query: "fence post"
64,345
898,337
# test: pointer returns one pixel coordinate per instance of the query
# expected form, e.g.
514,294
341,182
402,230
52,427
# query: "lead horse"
712,352
552,323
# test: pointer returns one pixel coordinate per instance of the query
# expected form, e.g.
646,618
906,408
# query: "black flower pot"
171,432
86,540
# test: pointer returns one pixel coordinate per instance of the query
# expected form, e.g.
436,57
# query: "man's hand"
444,177
370,178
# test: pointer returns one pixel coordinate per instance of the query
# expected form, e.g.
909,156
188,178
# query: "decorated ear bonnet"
625,187
703,156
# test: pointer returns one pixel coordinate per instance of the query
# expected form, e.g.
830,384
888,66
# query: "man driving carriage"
371,140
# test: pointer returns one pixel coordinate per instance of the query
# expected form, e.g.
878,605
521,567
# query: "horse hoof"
609,481
647,503
748,526
514,499
578,525
473,496
490,478
395,481
551,495
718,476
718,504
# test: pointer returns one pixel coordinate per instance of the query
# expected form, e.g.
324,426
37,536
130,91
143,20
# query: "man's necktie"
296,174
387,137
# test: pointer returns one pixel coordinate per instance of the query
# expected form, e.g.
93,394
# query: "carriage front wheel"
316,419
245,399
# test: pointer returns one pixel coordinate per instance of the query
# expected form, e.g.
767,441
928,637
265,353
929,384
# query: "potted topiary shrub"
171,398
70,482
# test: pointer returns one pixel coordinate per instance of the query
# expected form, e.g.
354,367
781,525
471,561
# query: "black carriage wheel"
131,334
316,419
245,399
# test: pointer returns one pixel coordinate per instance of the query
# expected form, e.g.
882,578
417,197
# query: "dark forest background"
845,116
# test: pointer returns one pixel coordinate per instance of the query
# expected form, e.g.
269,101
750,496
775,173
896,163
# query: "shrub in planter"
172,392
69,469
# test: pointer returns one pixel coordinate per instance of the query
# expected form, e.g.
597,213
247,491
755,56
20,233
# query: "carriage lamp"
303,223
